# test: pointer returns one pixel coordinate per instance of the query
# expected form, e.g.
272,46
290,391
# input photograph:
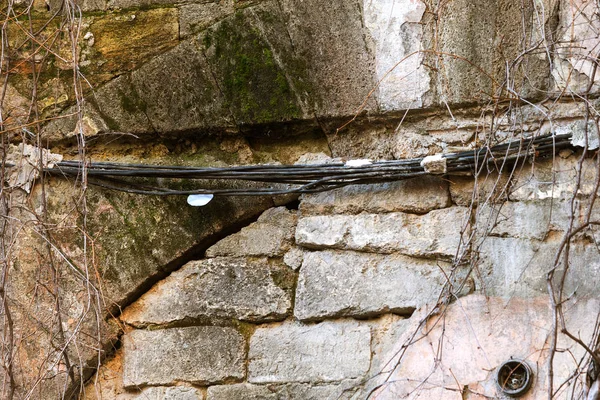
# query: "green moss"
284,278
244,328
131,102
255,87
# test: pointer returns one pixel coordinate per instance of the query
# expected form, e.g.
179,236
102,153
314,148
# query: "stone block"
249,54
196,17
293,352
294,391
435,234
466,30
554,178
293,258
418,195
466,190
199,355
121,106
193,99
250,290
524,219
333,284
170,393
513,267
126,40
271,235
330,42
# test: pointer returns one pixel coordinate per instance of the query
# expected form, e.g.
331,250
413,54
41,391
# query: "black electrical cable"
301,178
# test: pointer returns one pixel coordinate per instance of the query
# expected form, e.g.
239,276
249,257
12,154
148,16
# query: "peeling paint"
396,30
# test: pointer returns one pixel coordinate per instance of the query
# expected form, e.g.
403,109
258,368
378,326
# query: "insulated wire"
287,179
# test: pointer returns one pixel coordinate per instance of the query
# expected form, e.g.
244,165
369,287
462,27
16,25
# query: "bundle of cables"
286,179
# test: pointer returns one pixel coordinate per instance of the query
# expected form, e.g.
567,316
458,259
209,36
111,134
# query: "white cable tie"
199,200
358,163
435,165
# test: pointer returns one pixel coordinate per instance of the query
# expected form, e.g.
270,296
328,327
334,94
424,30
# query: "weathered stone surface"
93,5
532,74
91,124
466,30
121,107
295,391
15,106
248,290
395,28
331,43
199,355
553,179
170,393
108,381
525,219
487,187
582,135
518,267
196,17
479,41
271,235
147,3
294,258
573,69
108,385
249,54
386,331
333,284
294,352
193,100
413,143
125,40
436,233
478,334
418,195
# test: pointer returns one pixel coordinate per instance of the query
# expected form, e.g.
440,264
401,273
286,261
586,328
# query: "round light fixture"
514,378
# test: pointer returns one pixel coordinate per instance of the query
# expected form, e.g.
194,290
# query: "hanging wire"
286,179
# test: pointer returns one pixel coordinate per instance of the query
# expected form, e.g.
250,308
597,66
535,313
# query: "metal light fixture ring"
514,377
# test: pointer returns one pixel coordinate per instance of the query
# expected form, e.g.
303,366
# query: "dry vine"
28,45
502,111
40,46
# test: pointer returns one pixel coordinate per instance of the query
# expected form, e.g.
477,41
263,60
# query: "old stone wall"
418,288
320,302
